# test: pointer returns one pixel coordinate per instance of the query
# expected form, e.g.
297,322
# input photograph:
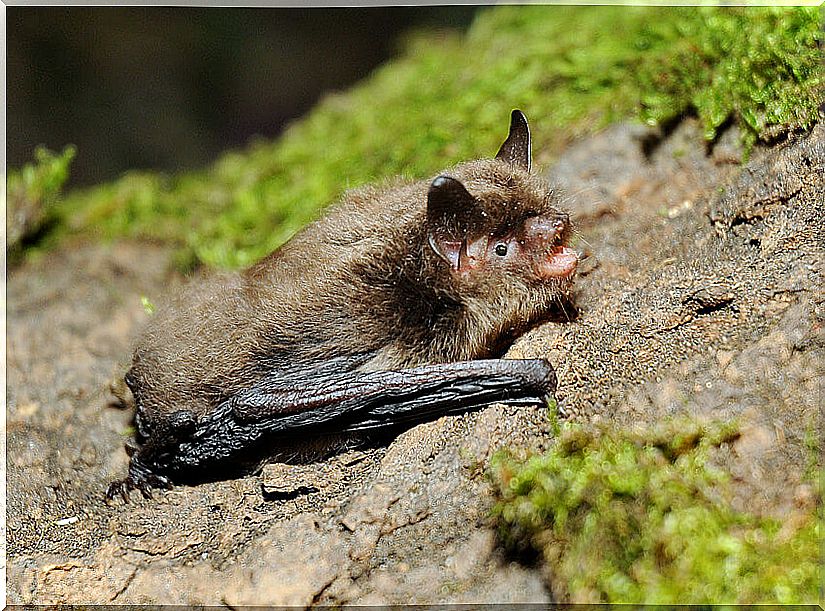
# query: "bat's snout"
549,230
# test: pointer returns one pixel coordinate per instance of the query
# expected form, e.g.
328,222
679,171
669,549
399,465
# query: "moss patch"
764,73
641,517
32,194
447,98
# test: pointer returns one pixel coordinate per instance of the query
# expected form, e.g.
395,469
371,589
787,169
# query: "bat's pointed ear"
452,214
516,149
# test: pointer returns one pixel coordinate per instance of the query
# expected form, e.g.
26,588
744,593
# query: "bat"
390,309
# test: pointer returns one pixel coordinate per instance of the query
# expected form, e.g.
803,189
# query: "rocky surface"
701,294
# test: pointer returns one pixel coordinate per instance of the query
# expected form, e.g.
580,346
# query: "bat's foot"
140,478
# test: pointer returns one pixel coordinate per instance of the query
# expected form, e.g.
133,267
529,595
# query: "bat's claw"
140,478
118,488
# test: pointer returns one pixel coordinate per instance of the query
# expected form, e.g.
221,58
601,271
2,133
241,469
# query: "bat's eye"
501,249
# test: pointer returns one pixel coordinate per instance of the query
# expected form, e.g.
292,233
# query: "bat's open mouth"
560,262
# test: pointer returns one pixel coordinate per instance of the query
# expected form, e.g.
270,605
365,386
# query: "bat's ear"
516,149
452,214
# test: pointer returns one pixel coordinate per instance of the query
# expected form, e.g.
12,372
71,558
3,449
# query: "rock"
710,308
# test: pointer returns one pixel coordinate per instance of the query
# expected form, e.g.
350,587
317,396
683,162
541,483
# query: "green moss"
147,304
32,194
447,98
761,68
642,517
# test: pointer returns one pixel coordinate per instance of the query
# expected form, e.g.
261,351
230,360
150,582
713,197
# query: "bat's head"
500,231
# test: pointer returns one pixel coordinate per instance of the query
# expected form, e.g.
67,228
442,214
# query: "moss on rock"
33,192
642,517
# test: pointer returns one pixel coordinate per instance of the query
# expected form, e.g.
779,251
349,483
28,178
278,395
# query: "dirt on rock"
701,294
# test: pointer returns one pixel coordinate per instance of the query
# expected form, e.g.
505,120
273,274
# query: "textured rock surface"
702,294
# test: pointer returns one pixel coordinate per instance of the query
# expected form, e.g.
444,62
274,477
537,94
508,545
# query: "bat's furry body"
375,313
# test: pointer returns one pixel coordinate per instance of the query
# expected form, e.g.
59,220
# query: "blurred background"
170,88
163,105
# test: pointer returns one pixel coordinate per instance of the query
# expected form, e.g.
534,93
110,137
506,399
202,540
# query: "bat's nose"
547,228
561,221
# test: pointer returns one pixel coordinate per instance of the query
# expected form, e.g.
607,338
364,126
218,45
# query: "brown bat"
374,315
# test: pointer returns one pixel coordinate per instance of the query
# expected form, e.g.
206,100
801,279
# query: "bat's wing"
334,398
358,401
